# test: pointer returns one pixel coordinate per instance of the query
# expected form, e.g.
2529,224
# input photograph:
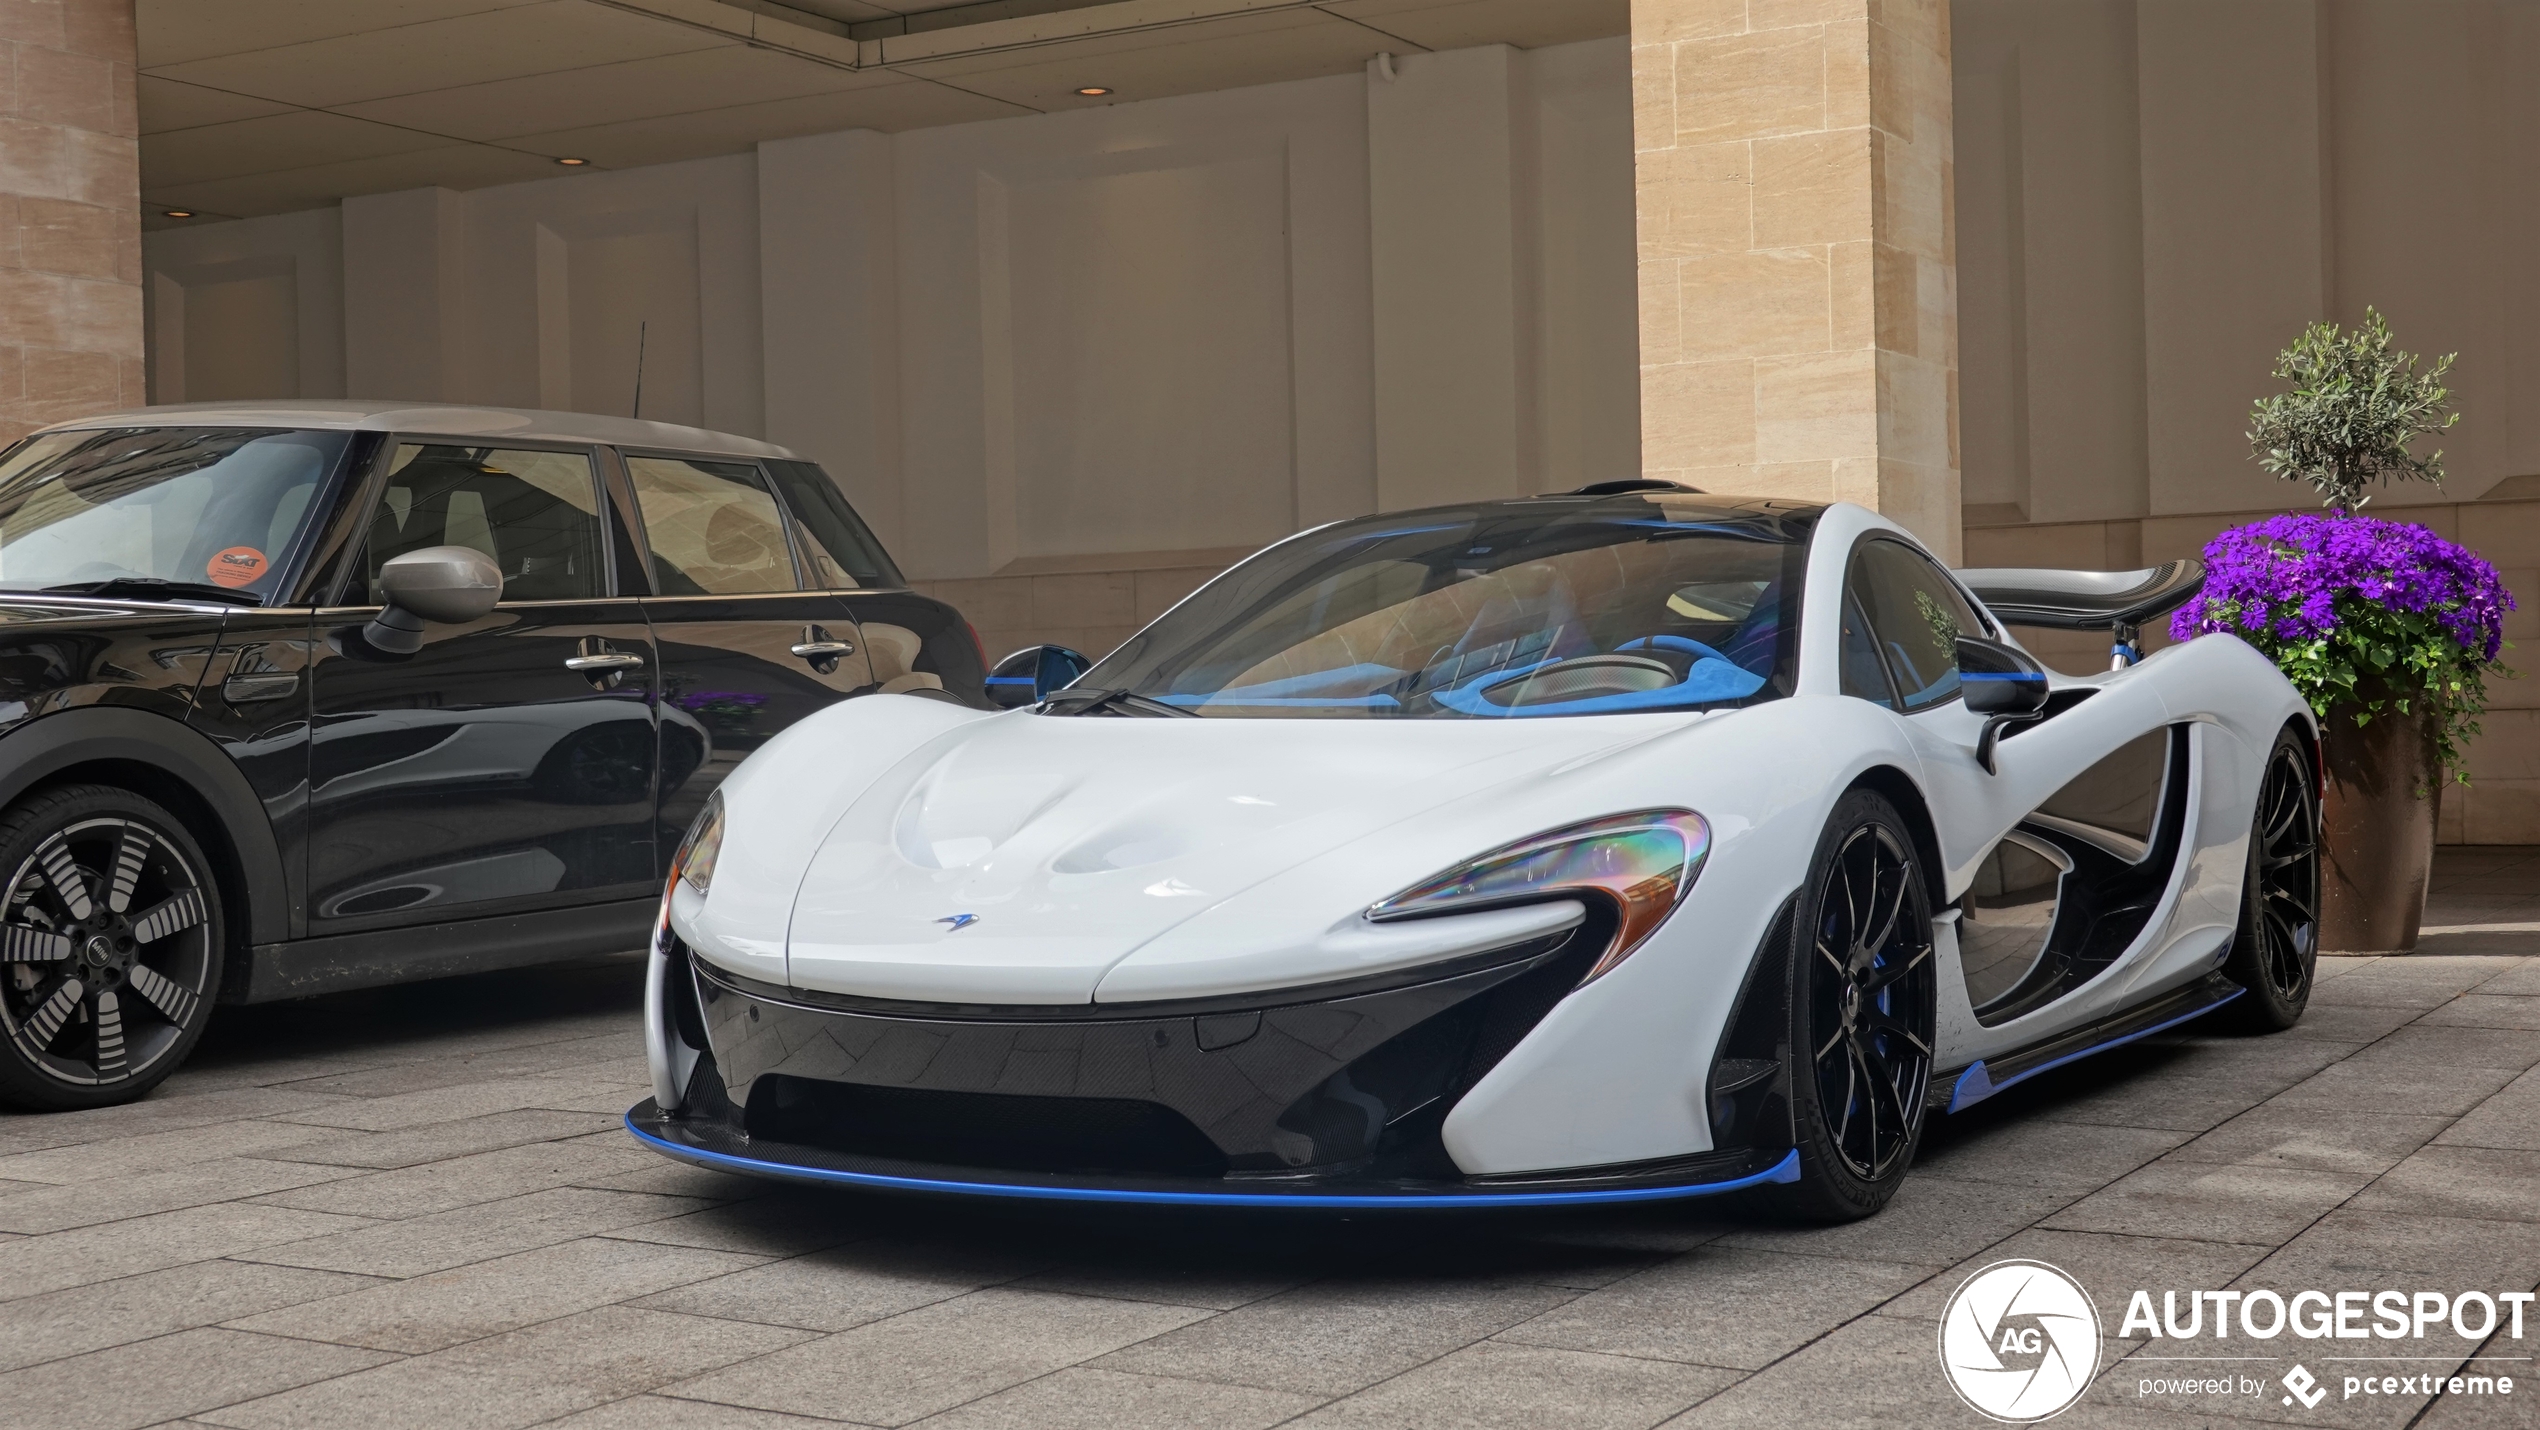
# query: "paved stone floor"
416,1208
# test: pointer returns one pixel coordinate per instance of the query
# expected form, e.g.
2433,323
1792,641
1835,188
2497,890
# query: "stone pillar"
70,219
1798,280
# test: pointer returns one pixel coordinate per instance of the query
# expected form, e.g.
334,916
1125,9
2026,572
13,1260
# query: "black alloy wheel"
2277,946
1865,985
109,947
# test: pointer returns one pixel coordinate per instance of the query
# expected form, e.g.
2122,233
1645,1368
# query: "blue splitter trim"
1969,1091
1786,1170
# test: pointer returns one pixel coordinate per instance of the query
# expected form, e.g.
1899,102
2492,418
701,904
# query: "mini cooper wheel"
1862,1010
2277,946
110,937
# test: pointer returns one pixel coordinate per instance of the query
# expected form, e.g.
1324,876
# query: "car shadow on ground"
1213,1254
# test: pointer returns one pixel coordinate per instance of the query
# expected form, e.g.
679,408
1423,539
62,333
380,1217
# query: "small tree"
2356,407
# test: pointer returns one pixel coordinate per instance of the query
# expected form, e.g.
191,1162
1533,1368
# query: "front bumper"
717,1147
1315,1097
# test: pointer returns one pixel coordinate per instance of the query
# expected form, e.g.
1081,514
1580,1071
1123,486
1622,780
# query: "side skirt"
1960,1090
367,960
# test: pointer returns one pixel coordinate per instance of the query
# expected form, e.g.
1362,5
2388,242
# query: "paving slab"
424,1199
44,1207
1082,1399
143,1383
2493,1183
1498,1386
845,1287
661,1412
2207,1201
1337,1336
936,1357
2282,1134
33,1265
1724,1306
79,1319
421,1245
485,1298
436,1141
516,1379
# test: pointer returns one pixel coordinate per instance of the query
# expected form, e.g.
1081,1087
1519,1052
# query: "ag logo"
2019,1341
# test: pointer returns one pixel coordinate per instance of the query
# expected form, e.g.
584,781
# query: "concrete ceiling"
266,106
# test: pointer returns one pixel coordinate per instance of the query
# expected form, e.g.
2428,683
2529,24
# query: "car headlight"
1644,862
694,862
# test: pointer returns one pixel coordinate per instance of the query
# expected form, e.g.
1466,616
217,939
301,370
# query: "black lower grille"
1115,1136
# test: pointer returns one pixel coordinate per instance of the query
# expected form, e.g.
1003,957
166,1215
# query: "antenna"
640,332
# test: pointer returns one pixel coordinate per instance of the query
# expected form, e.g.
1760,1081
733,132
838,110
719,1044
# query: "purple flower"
2282,578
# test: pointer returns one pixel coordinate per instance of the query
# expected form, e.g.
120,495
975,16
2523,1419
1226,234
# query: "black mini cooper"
314,696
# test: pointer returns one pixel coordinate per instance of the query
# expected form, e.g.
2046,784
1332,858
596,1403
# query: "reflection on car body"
1619,845
364,692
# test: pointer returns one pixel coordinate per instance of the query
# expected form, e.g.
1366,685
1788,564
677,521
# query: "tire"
1863,1005
2276,949
110,943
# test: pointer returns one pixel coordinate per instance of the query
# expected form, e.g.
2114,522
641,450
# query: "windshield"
203,507
1516,609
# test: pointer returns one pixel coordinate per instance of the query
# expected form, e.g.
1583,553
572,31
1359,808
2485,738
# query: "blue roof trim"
1975,1084
1784,1171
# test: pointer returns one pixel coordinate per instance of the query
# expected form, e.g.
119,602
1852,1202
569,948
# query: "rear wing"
2085,600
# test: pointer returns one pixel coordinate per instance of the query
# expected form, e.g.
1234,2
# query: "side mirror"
450,585
2003,684
1032,674
1999,679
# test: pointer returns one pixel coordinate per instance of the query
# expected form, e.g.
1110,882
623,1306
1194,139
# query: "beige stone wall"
1798,322
70,228
2502,803
1087,604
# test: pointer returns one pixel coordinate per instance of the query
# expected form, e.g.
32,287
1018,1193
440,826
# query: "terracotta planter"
2383,793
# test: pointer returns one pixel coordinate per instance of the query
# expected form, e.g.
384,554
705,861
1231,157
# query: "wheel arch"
179,768
1900,790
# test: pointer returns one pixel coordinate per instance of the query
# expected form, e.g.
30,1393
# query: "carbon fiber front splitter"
714,1145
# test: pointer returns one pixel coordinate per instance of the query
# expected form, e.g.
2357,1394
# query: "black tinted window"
536,513
1864,674
713,526
834,540
1520,609
1917,615
216,506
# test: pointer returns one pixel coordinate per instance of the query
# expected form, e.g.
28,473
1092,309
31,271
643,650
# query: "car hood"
1022,859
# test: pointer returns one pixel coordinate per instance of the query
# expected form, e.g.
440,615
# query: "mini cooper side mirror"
2001,682
1032,674
450,585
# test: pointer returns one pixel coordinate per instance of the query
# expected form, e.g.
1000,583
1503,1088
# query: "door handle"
822,650
604,661
248,689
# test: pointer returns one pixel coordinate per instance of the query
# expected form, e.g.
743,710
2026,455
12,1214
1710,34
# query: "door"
2059,896
509,764
749,641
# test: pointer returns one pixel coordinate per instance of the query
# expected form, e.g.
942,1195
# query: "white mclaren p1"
1620,845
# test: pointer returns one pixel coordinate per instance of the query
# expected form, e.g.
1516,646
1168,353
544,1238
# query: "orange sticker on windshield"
237,566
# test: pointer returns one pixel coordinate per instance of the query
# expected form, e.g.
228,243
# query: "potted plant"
2388,630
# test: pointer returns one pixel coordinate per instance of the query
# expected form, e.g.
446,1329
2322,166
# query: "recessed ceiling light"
177,213
1094,91
573,163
